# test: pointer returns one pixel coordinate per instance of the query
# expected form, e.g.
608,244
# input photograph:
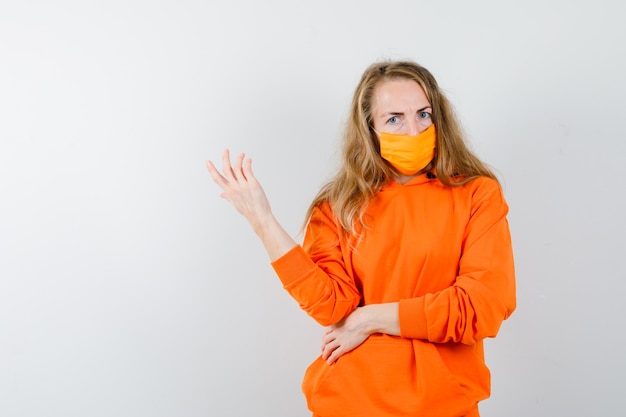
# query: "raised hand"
241,189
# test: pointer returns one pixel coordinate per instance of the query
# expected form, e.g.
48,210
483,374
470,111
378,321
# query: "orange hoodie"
444,253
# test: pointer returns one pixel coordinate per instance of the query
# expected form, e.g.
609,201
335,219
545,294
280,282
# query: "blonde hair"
364,172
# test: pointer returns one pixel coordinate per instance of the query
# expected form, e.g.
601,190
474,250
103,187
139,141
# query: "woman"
406,257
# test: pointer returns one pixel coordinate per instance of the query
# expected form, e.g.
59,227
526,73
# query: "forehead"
397,95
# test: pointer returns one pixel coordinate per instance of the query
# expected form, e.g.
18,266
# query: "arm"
316,278
316,274
483,294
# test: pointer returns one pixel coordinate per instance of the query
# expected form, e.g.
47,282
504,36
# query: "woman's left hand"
346,335
349,333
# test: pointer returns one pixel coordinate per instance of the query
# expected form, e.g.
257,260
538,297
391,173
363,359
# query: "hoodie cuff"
412,316
292,265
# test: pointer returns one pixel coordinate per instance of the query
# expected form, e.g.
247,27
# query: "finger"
336,354
215,174
328,350
237,170
328,344
247,169
226,167
328,337
226,197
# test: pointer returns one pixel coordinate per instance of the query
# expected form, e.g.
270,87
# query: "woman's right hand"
242,190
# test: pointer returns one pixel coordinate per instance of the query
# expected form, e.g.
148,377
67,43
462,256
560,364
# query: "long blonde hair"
364,172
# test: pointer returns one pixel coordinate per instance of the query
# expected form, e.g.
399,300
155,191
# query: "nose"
414,128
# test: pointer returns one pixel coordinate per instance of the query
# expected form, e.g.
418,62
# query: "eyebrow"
396,113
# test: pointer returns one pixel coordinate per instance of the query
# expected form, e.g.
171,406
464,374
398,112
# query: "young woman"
406,258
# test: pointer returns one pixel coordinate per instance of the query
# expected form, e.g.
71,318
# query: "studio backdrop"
129,288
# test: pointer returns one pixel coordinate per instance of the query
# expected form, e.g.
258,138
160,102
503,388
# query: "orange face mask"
409,154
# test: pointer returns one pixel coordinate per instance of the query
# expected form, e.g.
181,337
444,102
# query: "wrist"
263,224
383,318
275,239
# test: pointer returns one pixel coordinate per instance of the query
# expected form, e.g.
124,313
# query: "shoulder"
479,192
322,209
485,193
482,186
323,216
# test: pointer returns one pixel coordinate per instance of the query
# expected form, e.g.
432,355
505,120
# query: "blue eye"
393,120
424,115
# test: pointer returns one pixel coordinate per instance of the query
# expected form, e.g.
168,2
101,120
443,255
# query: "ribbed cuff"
412,316
292,265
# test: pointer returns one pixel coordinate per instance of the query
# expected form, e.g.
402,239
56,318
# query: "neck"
403,179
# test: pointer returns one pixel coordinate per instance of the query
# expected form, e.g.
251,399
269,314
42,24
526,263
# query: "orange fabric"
444,253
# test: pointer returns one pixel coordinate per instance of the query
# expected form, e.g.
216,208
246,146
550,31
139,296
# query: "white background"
129,288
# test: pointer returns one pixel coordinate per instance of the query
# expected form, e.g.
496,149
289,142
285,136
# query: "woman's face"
400,106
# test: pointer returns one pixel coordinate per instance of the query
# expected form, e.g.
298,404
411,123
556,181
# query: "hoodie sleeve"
483,294
315,274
